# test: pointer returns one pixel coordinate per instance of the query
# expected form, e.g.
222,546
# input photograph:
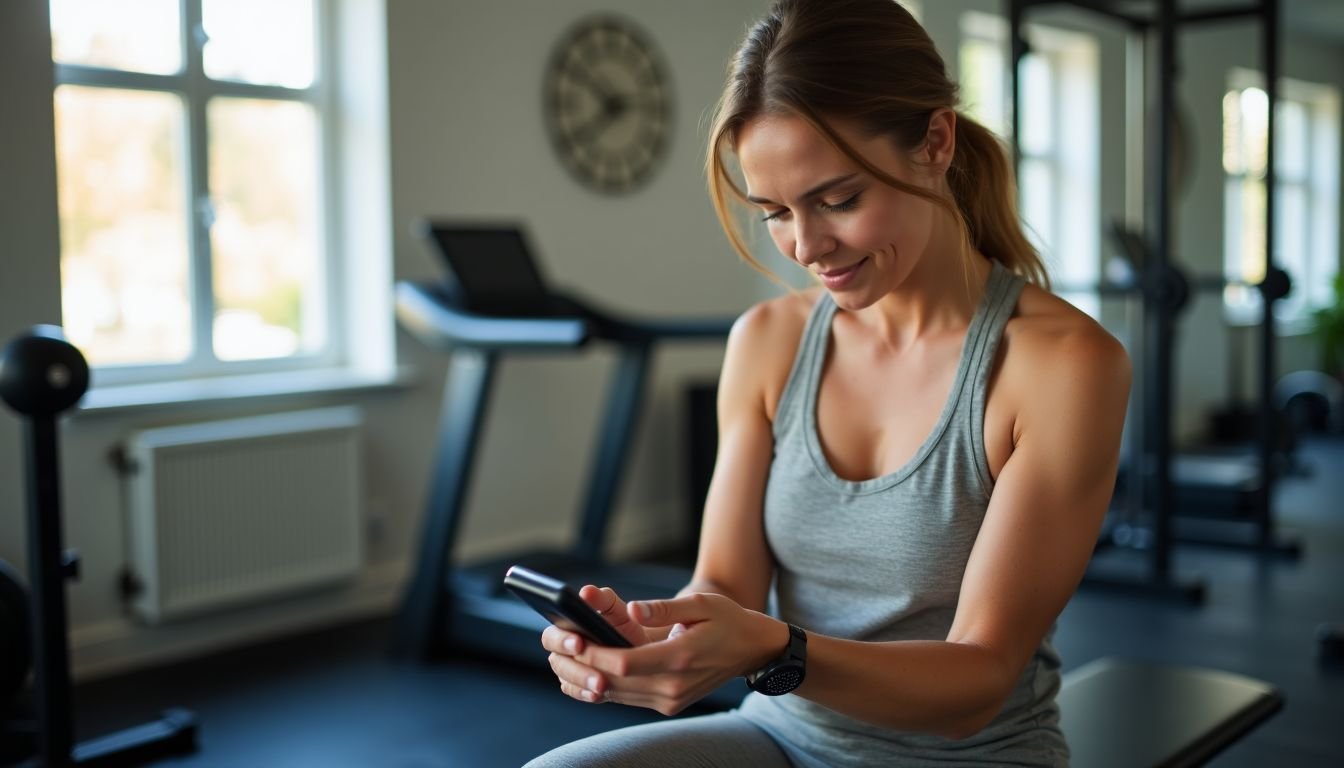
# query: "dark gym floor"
332,699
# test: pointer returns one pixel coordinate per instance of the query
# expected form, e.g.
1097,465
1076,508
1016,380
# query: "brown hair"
871,63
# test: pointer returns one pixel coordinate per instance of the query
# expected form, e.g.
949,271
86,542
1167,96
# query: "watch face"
781,680
608,105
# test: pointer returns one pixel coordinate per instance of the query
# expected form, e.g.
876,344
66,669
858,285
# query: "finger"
612,608
557,640
682,610
578,674
604,600
582,694
647,659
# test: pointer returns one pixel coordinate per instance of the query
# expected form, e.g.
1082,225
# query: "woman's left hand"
712,640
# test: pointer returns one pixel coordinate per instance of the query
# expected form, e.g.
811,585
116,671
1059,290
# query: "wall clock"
608,104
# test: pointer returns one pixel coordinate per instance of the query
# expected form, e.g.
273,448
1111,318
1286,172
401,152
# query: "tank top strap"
806,364
1000,300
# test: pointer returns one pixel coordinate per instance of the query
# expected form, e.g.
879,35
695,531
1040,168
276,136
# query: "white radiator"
227,512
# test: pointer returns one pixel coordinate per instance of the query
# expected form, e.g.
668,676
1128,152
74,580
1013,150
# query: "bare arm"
734,559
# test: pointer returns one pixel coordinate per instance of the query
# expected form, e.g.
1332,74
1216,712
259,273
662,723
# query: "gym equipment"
16,664
1330,639
1164,290
1123,714
41,375
1311,400
496,302
16,649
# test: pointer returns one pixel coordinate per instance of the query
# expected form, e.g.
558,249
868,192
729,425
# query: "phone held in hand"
562,606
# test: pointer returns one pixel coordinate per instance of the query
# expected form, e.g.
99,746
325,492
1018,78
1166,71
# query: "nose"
811,240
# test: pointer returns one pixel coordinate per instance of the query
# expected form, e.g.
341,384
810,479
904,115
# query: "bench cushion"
1130,714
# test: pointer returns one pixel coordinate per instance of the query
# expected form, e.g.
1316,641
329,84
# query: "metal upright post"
1161,322
47,571
465,399
1018,51
613,452
1269,28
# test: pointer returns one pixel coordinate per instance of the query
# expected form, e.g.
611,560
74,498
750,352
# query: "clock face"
608,105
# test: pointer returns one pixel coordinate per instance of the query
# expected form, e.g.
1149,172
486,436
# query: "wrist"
784,671
773,637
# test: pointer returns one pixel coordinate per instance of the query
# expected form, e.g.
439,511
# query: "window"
191,146
1058,178
1306,193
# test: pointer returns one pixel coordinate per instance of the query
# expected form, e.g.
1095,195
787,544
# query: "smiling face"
861,237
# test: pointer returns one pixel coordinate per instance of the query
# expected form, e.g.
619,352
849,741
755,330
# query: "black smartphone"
562,606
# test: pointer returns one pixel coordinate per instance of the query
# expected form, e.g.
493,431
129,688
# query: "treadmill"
495,302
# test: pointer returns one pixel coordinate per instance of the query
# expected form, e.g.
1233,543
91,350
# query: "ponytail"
981,179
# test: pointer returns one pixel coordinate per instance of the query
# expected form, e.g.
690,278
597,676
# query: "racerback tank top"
882,559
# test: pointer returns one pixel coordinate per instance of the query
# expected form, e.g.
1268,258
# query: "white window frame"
196,89
1070,241
1320,186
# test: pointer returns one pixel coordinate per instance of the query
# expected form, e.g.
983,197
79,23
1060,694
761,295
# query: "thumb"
682,610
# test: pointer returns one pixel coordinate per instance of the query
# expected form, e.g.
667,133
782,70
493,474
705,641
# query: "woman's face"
860,237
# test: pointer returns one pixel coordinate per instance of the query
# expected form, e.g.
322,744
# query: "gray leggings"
723,740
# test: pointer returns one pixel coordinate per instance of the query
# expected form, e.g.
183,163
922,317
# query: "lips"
835,279
833,273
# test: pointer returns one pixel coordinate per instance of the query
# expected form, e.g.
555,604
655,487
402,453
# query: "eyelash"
840,207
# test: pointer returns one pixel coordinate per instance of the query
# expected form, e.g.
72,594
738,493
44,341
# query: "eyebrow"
813,192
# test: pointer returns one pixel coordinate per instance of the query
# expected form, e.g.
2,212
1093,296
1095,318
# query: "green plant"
1327,325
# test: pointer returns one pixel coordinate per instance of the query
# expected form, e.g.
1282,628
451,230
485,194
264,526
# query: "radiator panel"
229,512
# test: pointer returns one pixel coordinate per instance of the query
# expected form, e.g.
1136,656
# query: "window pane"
983,86
269,42
264,178
1038,195
1251,248
1038,105
1232,140
1291,139
138,35
124,249
1254,123
1291,252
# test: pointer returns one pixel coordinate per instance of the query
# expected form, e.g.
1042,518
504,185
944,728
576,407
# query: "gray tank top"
882,559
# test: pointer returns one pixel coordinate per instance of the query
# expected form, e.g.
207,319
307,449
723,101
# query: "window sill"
266,386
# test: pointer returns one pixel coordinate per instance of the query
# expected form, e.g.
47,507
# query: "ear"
940,143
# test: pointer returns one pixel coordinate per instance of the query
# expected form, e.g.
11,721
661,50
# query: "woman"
915,456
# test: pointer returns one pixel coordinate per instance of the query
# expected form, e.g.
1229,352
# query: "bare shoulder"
763,343
1053,349
776,319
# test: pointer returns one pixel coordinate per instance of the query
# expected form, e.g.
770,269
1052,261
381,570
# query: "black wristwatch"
786,672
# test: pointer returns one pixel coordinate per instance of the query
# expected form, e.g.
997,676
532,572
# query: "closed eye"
847,204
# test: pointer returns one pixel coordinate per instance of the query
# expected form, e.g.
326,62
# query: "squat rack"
1162,286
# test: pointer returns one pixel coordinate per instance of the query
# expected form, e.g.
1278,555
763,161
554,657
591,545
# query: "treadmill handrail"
620,328
424,308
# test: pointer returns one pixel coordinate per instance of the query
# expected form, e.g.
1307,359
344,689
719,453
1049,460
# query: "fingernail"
644,610
592,683
571,644
589,695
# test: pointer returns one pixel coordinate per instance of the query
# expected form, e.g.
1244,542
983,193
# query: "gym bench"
1128,714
